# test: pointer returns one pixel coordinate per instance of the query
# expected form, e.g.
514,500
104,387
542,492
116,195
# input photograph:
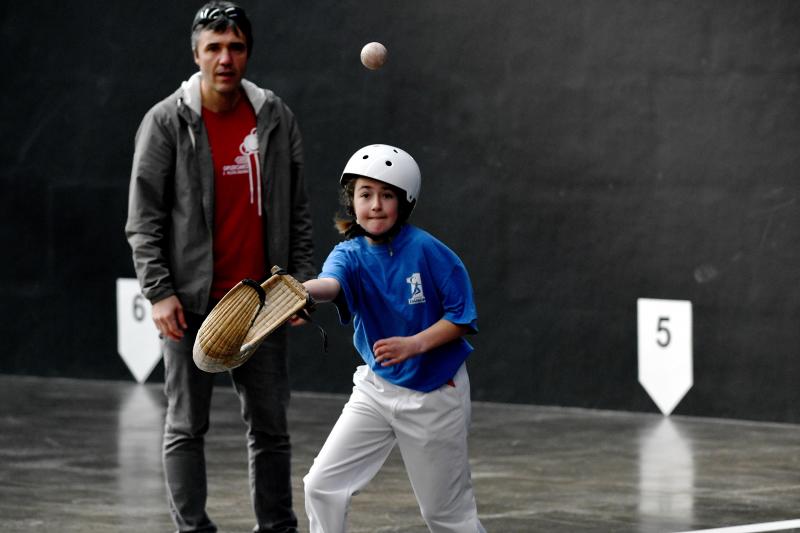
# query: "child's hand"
395,350
295,321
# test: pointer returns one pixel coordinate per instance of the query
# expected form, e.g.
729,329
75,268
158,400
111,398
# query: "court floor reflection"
85,456
139,478
666,476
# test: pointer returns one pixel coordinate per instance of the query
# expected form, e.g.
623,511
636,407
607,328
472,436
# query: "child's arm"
322,290
397,349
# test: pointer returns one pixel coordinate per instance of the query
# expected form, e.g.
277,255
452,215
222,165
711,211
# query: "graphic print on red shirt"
238,229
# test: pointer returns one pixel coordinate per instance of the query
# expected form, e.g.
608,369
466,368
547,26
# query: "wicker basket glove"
244,317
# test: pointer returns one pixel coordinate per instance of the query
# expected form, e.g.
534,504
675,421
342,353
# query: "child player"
411,303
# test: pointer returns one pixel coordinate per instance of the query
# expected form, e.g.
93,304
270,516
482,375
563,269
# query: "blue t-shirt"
399,289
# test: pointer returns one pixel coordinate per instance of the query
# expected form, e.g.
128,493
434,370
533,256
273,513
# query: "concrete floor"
84,456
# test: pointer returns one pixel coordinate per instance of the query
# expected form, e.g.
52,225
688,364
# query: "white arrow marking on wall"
137,337
665,350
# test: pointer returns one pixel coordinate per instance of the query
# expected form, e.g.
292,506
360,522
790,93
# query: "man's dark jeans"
262,384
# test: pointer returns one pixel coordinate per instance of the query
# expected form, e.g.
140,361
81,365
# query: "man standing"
217,195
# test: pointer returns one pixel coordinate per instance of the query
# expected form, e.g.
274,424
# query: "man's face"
222,58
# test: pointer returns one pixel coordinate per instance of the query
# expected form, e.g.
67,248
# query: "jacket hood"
191,94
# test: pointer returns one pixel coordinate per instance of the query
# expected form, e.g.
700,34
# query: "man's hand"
169,319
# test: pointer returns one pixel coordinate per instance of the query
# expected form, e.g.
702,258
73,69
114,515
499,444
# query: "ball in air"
373,55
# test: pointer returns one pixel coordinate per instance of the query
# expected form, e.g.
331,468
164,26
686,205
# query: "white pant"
431,431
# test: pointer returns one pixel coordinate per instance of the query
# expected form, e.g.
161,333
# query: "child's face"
375,205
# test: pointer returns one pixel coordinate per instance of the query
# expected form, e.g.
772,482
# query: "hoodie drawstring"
249,149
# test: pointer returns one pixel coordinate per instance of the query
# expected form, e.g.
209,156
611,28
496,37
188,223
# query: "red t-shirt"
238,229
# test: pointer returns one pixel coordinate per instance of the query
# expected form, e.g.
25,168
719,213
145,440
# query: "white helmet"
387,164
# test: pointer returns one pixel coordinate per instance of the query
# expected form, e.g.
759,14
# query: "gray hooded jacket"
171,198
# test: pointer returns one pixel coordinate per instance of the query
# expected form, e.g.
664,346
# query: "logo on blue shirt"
417,296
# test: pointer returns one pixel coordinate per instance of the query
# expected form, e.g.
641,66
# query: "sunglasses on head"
211,14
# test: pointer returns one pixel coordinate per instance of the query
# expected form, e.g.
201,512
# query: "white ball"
373,55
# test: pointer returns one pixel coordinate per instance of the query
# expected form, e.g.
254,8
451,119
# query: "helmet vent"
388,163
365,157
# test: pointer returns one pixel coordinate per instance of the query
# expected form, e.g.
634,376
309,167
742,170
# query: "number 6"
138,308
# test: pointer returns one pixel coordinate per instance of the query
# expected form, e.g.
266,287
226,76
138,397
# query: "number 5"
665,331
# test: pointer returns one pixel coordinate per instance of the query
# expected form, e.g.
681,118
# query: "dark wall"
578,155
